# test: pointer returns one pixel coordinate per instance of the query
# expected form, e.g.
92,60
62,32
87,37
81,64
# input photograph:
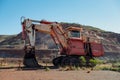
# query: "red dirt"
55,74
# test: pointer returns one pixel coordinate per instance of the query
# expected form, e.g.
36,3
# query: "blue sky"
103,14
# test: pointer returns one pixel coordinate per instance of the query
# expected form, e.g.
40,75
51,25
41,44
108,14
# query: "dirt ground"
55,74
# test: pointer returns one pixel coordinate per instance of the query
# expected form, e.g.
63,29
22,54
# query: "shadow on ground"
30,68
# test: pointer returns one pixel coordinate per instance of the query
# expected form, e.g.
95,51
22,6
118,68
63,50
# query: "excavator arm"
30,27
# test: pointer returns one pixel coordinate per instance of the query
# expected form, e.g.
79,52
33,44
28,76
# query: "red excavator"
72,42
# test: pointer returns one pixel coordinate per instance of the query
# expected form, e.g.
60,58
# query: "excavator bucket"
30,59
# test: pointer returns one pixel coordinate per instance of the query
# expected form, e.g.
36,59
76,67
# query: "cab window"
75,34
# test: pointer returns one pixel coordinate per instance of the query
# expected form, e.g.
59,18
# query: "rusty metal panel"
97,49
76,47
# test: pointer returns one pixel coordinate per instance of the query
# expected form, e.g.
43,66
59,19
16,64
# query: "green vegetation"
116,66
92,62
112,66
95,61
83,61
47,69
109,68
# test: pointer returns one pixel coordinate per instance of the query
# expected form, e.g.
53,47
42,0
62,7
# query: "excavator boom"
29,29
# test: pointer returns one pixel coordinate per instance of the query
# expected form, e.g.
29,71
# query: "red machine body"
77,47
97,49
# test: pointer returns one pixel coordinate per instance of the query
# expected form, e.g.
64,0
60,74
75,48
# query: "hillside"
5,37
111,40
10,40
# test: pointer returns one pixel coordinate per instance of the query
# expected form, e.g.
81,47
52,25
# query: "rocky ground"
12,70
55,74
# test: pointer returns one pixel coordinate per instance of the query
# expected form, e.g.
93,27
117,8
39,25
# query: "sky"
103,14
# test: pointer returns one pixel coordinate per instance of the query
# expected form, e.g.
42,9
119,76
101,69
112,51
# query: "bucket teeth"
30,59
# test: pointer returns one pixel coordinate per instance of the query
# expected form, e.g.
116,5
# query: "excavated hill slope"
111,41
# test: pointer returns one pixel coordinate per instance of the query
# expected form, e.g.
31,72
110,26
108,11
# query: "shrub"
94,62
47,69
117,64
115,69
82,60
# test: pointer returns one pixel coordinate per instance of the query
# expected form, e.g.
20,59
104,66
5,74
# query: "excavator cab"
74,32
75,42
